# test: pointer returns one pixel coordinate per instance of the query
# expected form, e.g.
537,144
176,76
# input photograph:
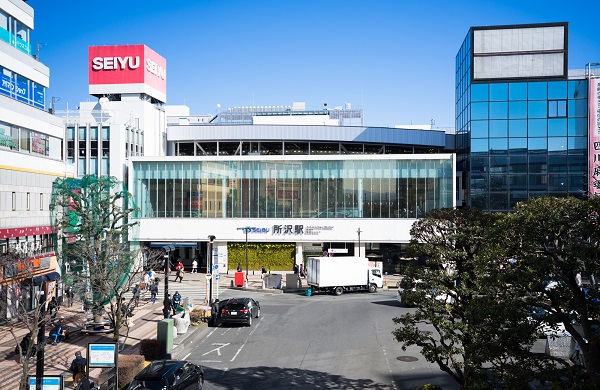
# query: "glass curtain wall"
292,189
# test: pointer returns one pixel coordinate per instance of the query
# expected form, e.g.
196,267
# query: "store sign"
127,64
594,136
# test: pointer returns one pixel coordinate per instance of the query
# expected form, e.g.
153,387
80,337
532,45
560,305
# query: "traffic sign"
217,276
216,266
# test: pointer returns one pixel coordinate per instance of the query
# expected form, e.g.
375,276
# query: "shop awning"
52,276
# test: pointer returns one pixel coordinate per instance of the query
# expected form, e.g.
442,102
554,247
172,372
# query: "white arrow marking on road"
218,349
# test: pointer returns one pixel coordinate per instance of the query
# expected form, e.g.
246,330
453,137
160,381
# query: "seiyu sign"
127,64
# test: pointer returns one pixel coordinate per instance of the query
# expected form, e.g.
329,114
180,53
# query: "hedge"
272,256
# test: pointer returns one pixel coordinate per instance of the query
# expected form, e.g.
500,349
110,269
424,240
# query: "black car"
169,375
240,311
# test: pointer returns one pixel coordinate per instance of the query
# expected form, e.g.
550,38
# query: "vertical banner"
594,134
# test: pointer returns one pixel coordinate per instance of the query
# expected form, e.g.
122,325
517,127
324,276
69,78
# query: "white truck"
344,273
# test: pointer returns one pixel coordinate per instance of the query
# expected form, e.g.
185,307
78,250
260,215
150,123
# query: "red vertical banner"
594,136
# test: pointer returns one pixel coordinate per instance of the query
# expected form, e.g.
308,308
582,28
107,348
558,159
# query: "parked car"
446,298
240,311
169,375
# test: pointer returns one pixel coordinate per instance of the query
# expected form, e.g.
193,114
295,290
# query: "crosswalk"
193,289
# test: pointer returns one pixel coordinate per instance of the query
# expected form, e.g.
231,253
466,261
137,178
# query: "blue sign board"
217,276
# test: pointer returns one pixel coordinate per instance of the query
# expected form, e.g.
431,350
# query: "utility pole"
211,238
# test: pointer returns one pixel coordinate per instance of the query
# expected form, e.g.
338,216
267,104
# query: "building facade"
521,116
345,189
30,158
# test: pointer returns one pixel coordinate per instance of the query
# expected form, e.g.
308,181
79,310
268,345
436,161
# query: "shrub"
429,386
152,349
197,315
129,366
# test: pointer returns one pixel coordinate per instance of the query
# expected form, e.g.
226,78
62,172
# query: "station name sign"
290,230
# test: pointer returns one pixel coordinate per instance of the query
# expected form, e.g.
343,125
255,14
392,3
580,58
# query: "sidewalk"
146,316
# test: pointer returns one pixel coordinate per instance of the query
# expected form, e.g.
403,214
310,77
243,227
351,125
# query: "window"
517,91
557,108
14,201
28,201
41,201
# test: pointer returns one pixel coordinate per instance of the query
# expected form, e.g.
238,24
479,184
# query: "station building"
290,178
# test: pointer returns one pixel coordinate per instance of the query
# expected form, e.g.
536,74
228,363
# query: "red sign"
127,64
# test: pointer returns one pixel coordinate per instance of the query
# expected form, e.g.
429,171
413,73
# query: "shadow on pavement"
283,378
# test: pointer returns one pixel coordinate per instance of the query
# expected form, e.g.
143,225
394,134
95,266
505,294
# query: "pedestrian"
578,278
147,280
24,352
301,270
84,383
57,334
263,272
53,307
239,268
153,292
167,306
136,294
179,272
78,368
194,266
296,269
214,312
176,301
70,295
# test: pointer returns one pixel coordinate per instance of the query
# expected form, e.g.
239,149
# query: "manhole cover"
407,358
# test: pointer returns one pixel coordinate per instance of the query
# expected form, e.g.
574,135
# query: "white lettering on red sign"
115,63
156,69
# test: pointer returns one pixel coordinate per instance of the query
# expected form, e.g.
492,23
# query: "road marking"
211,361
250,334
186,356
218,349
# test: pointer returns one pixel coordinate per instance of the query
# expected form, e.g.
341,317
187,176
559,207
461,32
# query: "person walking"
53,307
194,266
78,368
179,272
70,295
153,292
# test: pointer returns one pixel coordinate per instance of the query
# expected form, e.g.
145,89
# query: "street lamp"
168,250
211,238
359,231
39,368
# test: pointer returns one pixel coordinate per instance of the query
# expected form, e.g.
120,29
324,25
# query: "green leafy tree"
553,240
92,217
464,320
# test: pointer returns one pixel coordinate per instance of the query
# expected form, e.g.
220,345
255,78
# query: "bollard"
231,283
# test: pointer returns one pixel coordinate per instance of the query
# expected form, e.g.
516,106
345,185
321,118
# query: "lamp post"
211,238
168,250
359,231
39,368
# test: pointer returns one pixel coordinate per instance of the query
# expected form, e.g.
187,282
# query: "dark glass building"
521,118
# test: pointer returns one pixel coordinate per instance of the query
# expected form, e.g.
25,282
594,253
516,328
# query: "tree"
92,216
554,239
23,307
479,338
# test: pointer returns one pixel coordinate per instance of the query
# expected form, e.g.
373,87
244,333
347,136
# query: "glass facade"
518,139
316,188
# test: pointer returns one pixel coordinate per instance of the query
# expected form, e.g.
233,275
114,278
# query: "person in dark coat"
167,305
78,368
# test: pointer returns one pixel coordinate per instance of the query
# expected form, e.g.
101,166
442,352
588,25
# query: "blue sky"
393,59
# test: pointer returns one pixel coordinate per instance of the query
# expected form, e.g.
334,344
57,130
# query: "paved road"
318,342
